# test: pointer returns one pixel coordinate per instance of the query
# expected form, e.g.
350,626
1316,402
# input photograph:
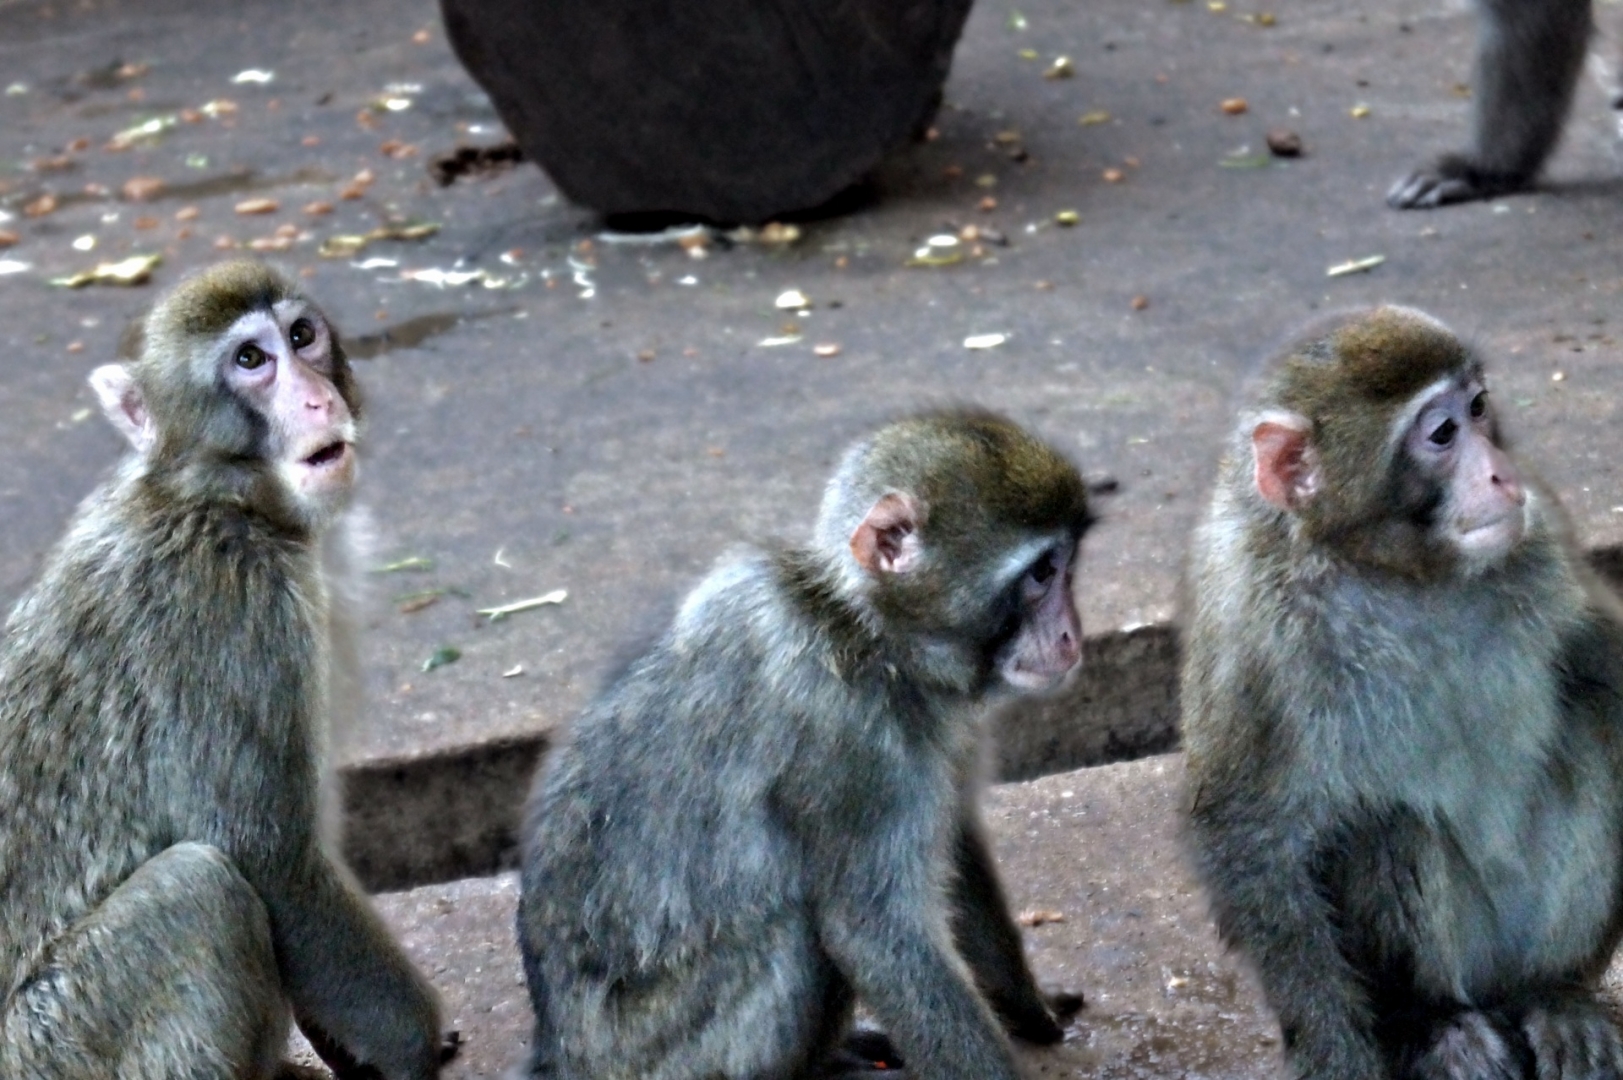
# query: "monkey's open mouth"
327,455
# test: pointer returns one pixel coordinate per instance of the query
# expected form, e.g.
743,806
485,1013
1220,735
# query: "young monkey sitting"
1403,711
773,812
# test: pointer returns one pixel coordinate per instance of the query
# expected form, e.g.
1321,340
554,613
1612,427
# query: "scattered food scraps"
513,672
1234,106
985,341
412,603
1067,218
1039,917
41,206
141,188
410,564
340,247
84,243
1113,176
791,300
1061,68
1284,143
134,270
13,266
1140,303
142,132
1355,266
782,339
826,350
1358,112
445,654
253,76
1097,116
258,206
556,596
8,238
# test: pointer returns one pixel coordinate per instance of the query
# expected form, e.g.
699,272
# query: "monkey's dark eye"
1042,571
251,356
302,333
1479,406
1443,433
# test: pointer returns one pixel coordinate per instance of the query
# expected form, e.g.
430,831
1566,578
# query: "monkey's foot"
1573,1040
1471,1046
863,1051
1452,179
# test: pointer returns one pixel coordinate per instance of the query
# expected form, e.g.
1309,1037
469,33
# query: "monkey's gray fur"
1528,59
774,810
1406,784
165,899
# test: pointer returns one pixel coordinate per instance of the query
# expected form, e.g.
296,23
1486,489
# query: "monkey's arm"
879,915
989,941
354,993
1529,56
1254,855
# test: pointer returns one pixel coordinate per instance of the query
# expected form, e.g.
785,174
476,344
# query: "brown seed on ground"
224,243
1140,303
1113,176
269,243
8,238
1284,143
986,205
142,188
41,206
79,145
318,208
310,140
145,221
187,213
1234,106
646,355
1038,918
258,206
52,164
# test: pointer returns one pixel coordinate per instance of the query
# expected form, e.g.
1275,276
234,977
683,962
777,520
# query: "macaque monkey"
1529,56
166,899
1403,711
774,811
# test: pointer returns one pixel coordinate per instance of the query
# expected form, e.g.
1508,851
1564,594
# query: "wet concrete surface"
607,418
1097,847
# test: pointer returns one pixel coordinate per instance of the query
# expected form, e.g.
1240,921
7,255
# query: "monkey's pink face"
1048,645
281,361
1484,514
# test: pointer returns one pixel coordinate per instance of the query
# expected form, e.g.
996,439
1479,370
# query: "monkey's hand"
1452,179
1471,1046
1573,1039
1045,1024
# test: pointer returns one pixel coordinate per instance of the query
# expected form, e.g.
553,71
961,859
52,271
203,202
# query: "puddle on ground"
409,333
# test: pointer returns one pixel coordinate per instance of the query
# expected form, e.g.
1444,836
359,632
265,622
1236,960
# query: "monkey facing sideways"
1403,712
774,810
165,896
1529,55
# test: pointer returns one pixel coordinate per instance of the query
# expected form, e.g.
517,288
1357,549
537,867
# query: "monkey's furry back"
160,671
652,832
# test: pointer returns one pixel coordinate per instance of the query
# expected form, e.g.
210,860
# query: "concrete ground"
607,417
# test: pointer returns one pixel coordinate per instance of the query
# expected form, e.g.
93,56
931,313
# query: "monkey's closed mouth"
327,454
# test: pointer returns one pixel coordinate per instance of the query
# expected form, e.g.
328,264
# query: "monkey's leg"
173,975
354,992
1529,55
989,941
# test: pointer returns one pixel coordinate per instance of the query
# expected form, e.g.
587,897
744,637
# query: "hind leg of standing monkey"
178,956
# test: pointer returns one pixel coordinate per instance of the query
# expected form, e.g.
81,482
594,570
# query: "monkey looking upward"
164,692
1403,711
774,810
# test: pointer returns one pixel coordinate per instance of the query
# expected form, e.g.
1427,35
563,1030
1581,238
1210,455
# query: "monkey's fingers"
1573,1041
1470,1047
450,1045
1064,1003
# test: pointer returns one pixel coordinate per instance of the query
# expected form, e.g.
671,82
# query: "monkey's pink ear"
887,541
1287,468
123,405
